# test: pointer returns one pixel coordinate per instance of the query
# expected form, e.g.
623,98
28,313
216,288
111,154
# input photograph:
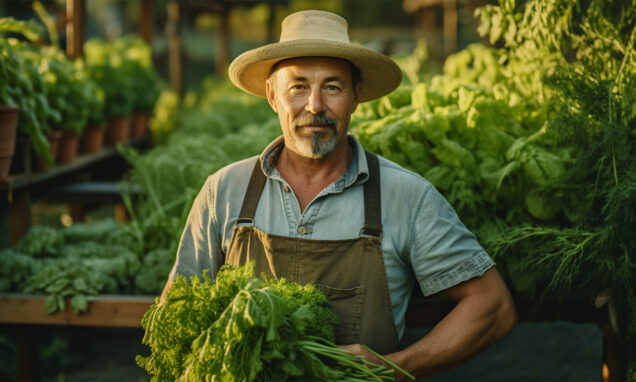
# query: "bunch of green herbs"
240,328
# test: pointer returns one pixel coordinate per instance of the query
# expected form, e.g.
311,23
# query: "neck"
309,176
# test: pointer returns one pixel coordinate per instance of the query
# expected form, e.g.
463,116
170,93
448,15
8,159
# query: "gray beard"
314,147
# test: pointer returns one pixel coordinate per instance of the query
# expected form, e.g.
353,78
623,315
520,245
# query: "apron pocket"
348,304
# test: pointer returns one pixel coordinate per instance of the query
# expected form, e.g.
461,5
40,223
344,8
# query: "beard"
315,144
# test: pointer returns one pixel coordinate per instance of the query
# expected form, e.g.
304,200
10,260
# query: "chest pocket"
348,304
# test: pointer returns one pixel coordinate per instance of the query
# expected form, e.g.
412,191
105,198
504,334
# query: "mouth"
317,122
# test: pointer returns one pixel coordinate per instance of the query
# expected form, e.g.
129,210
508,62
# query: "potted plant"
23,86
92,138
68,90
108,67
146,85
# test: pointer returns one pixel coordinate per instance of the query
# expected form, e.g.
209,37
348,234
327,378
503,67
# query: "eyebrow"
328,79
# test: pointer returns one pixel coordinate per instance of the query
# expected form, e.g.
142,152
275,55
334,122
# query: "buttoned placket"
301,224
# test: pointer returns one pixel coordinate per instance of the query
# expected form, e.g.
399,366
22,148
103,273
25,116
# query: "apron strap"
252,195
372,207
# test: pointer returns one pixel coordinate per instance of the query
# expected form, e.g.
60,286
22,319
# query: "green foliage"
123,69
533,144
23,86
15,270
83,260
239,328
156,266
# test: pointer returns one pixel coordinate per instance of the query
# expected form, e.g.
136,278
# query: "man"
316,208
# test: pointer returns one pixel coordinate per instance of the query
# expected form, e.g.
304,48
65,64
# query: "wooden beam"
223,43
103,310
19,202
75,28
146,21
174,46
450,27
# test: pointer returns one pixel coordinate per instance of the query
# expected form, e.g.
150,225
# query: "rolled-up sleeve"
443,252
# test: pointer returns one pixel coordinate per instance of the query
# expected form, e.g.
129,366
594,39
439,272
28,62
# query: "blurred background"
454,77
207,35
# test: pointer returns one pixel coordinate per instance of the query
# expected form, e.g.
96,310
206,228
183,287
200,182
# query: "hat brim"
380,75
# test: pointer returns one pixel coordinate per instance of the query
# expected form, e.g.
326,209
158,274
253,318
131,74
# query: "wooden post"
146,21
174,45
223,42
450,27
74,28
271,24
19,213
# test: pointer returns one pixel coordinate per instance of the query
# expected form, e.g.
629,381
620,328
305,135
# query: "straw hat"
315,33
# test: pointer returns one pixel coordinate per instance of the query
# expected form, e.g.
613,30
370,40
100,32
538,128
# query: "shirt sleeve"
199,247
444,252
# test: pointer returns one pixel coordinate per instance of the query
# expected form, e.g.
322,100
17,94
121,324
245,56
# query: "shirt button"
286,188
303,230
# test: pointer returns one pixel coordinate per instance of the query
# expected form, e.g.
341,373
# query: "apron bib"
350,272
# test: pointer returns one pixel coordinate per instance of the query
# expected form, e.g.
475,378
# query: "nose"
314,102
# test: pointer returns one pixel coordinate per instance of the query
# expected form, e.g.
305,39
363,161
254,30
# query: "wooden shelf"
103,310
27,179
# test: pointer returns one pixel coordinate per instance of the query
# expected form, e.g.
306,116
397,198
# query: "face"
314,98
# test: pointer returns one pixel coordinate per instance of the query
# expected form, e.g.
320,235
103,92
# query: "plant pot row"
65,145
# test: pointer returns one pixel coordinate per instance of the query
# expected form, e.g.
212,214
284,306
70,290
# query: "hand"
359,350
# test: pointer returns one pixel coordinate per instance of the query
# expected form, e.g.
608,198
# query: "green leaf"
50,303
79,303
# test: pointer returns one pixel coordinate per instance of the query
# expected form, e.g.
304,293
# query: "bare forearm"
477,321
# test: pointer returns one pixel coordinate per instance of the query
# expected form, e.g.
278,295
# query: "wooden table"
25,313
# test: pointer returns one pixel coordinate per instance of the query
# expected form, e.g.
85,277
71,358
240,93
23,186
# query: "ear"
356,97
269,93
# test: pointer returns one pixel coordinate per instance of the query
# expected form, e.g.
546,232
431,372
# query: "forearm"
477,321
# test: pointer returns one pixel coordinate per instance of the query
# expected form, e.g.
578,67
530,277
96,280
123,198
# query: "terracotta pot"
140,125
92,139
67,150
8,127
53,138
118,130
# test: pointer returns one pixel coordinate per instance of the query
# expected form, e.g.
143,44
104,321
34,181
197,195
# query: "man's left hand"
359,350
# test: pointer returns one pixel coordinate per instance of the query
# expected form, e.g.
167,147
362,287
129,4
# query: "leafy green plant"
68,88
123,69
23,86
247,329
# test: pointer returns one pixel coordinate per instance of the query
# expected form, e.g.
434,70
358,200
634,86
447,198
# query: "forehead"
312,66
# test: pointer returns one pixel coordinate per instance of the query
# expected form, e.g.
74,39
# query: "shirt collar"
357,173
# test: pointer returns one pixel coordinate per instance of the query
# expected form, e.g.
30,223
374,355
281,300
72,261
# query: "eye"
332,88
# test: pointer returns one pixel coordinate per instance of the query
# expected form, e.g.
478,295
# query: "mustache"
309,119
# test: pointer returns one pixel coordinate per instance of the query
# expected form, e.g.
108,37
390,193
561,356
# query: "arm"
199,247
166,288
484,313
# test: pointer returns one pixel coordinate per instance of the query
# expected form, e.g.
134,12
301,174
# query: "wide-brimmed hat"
311,34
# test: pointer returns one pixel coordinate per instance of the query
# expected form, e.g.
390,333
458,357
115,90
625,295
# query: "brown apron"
350,272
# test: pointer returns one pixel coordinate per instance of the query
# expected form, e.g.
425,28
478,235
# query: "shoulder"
231,178
395,178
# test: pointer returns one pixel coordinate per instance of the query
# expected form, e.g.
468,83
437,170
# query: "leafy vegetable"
239,328
23,86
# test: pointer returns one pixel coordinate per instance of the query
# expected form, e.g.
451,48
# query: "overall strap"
372,202
252,195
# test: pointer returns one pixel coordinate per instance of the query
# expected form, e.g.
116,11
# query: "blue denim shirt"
423,239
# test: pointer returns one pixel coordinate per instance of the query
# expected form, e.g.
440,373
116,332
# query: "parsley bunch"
240,328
